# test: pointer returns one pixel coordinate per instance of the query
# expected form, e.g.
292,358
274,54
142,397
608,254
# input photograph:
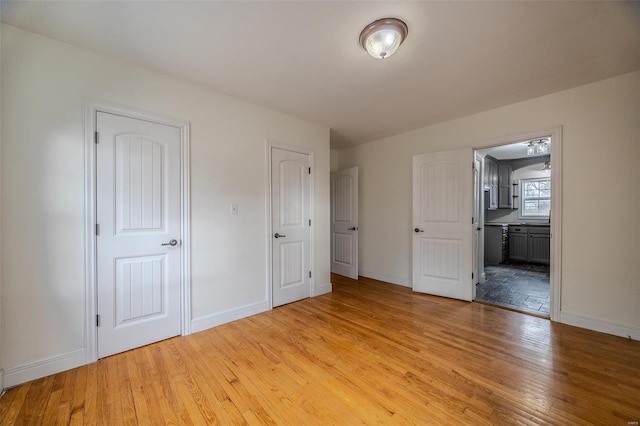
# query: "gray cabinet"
518,244
505,188
498,182
491,181
539,245
530,244
495,244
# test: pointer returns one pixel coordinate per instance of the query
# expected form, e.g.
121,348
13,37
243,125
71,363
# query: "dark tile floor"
520,286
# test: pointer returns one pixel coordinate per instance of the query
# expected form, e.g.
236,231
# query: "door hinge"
95,136
472,275
309,274
97,229
309,170
309,222
473,219
97,320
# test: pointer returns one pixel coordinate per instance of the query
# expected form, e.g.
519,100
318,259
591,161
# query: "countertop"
541,225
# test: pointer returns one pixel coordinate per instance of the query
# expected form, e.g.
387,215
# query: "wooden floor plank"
12,401
369,352
195,402
213,402
147,404
127,401
32,410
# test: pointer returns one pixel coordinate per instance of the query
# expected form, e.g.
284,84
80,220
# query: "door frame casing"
555,132
478,236
91,109
270,145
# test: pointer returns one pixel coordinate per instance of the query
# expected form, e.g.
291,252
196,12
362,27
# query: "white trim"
322,289
267,215
556,224
34,370
626,331
478,234
556,204
2,388
406,282
91,108
185,207
213,320
269,146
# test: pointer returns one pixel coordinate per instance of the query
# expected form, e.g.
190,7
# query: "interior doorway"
518,262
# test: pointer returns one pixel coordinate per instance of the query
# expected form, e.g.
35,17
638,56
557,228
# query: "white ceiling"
303,57
513,151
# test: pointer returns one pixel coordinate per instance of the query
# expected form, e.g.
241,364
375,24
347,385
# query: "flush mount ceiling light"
382,38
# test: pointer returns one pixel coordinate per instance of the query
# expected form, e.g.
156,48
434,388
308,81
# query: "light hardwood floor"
369,352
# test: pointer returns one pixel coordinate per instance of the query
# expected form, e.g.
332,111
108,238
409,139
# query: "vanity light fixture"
383,37
538,147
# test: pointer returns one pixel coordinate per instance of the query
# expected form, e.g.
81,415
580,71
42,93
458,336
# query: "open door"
344,222
443,225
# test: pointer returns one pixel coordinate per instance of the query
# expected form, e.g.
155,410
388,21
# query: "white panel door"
291,236
344,222
139,239
443,228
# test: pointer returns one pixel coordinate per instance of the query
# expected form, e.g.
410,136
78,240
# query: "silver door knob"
279,235
171,243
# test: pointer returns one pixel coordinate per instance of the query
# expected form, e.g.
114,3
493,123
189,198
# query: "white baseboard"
213,320
386,278
34,370
1,383
595,324
322,289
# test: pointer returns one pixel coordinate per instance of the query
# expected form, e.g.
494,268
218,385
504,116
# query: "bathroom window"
536,198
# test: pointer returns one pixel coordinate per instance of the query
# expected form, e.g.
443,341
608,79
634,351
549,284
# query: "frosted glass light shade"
383,37
542,147
531,149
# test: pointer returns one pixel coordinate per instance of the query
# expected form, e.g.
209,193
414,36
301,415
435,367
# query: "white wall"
601,194
43,86
1,322
334,160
